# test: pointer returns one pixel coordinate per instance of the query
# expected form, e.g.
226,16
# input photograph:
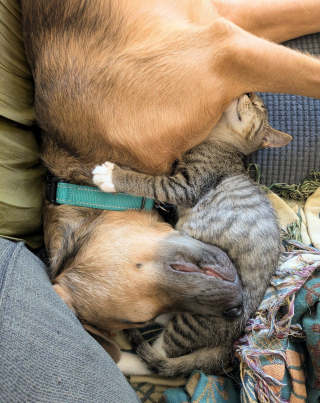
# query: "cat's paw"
131,364
102,177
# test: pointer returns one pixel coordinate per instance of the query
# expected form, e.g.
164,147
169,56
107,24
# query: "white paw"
102,177
131,364
158,345
164,318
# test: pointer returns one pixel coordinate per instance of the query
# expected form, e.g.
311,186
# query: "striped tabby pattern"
219,204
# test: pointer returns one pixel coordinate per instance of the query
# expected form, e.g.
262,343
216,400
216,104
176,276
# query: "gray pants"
45,354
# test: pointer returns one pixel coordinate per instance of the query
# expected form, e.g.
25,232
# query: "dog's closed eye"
129,322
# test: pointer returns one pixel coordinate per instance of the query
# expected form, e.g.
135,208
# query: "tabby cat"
219,204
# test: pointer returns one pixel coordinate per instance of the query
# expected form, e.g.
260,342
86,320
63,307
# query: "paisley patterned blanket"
278,358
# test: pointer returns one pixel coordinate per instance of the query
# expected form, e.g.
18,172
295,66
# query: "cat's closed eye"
259,106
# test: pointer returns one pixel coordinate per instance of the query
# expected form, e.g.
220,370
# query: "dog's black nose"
234,312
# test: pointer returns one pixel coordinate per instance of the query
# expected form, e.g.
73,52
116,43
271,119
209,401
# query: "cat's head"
244,124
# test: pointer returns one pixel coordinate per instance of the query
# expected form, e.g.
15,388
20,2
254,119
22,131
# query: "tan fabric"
289,213
312,210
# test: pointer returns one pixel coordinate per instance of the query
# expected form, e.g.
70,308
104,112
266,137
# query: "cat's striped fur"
219,204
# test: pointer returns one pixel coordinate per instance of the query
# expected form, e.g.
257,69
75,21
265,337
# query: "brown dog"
138,83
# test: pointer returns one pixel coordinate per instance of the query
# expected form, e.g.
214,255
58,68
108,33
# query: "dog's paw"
102,177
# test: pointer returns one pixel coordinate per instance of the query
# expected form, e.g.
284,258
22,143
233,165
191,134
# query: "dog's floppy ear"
275,138
68,231
63,294
103,338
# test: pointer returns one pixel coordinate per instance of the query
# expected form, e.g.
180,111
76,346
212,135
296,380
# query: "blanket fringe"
275,323
298,192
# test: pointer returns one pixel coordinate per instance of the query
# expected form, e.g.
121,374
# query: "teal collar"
59,192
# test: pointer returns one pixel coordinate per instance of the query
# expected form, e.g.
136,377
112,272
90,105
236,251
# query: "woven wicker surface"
300,117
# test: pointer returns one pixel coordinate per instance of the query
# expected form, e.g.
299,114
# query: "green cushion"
21,175
21,184
16,91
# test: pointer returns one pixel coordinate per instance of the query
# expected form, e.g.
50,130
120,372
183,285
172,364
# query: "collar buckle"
51,189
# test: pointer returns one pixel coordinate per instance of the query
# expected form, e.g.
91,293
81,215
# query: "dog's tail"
208,360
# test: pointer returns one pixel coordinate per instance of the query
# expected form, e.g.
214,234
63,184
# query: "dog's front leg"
275,20
255,64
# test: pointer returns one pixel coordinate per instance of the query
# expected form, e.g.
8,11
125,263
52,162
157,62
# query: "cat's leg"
132,364
102,177
275,20
208,360
177,189
158,345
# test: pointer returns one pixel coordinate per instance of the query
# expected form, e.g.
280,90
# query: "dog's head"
119,270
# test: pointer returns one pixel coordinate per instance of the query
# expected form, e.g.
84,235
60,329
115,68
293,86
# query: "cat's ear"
274,138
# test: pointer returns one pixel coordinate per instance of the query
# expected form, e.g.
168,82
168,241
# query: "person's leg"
46,355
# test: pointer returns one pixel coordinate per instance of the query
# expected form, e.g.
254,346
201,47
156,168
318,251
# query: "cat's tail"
208,360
